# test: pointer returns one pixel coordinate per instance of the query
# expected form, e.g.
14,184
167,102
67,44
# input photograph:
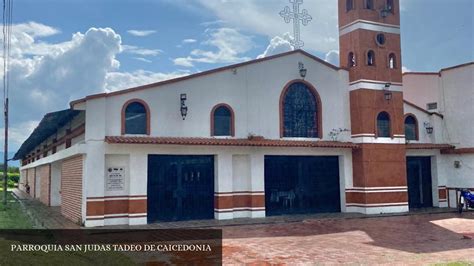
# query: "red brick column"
71,189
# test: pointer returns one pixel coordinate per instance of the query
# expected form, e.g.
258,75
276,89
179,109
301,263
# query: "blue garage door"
180,187
301,184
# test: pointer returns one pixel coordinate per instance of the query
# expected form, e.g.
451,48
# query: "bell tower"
369,40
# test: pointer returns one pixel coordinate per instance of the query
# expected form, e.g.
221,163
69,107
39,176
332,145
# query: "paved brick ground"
419,238
405,240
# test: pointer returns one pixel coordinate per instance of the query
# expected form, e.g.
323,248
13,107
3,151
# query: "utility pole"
7,31
5,156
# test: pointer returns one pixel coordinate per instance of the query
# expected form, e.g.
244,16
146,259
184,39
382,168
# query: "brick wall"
22,182
45,184
31,180
71,189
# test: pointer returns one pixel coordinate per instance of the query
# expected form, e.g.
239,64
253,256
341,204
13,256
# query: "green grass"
12,215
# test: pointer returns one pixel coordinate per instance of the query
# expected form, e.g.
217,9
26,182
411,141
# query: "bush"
14,177
11,183
11,176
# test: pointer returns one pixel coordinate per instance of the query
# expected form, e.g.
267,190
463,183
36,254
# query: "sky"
65,49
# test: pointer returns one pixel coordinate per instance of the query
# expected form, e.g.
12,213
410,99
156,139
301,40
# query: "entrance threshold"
275,219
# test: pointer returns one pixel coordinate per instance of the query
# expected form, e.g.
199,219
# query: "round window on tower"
380,39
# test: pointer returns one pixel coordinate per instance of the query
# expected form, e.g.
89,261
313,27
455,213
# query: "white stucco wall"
462,177
457,105
421,88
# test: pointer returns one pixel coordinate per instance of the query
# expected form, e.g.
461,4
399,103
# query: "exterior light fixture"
184,108
384,12
428,127
302,70
387,93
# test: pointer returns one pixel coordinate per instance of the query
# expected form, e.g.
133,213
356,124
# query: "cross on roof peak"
296,16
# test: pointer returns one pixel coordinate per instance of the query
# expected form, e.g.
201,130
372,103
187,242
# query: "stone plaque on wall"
115,178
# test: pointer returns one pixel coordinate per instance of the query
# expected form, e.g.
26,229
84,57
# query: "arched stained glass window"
383,125
222,116
411,128
136,118
300,112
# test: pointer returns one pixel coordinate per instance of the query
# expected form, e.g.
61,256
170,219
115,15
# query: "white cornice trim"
374,85
369,25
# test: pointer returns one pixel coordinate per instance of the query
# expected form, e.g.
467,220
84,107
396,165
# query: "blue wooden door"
419,182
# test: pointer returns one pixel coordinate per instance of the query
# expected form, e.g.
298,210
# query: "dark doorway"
419,182
180,187
301,184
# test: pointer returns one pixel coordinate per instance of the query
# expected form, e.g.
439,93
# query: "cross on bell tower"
296,16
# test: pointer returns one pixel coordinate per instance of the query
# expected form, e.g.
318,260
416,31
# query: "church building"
281,135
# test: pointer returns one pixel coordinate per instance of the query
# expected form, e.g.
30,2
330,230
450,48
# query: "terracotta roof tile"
229,142
420,146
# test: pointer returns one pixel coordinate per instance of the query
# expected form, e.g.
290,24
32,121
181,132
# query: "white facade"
253,91
453,90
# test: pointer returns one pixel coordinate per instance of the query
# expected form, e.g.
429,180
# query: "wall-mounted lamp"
457,164
428,127
385,12
387,93
302,70
184,108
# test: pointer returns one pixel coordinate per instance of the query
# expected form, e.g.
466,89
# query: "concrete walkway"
282,219
43,217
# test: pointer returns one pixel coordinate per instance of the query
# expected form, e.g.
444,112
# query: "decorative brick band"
116,207
377,197
239,201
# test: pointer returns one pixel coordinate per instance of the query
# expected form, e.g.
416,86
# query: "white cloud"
184,62
34,29
44,76
189,41
141,33
131,49
142,59
261,17
19,132
278,45
212,23
229,44
332,57
47,82
123,80
405,69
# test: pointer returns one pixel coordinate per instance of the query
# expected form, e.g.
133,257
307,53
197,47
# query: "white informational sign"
115,178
